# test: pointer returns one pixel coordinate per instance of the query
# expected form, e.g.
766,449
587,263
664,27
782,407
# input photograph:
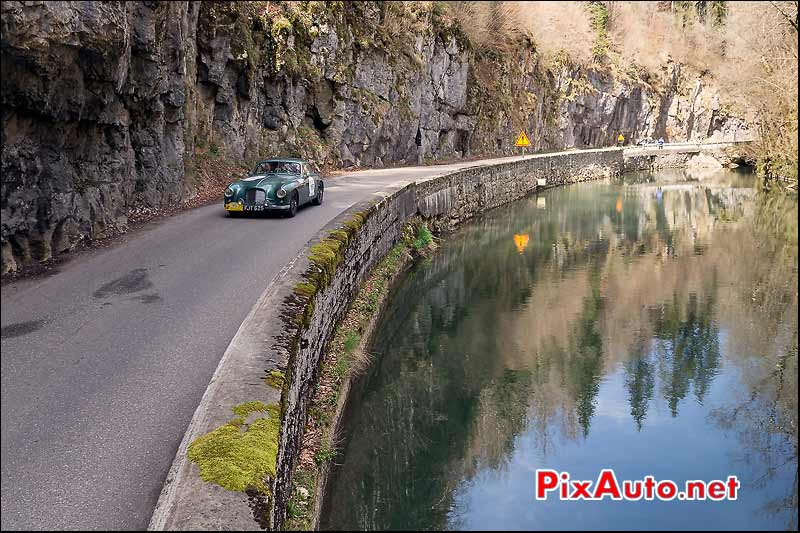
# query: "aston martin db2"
275,185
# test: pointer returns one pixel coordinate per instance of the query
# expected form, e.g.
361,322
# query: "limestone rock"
105,104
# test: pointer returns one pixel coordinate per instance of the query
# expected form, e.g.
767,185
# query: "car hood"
264,181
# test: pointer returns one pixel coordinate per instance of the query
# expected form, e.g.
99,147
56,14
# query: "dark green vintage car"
275,185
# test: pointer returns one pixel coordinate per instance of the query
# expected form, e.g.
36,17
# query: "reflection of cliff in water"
764,342
483,343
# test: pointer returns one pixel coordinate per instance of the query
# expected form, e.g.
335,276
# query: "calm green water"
646,326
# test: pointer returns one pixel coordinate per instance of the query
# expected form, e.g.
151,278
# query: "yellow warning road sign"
522,140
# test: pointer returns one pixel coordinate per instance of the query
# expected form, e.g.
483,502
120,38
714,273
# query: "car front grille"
255,197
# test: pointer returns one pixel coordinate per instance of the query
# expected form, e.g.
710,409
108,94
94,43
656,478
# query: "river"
647,324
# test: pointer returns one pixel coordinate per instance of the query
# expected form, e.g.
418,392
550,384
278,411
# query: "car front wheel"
293,203
320,193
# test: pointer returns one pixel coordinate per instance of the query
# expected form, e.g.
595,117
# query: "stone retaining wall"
650,162
722,154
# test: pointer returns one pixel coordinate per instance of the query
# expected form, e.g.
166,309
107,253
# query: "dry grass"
360,362
499,26
489,25
644,35
559,27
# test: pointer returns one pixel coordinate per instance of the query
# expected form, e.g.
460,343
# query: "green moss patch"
325,257
239,456
351,341
424,238
419,238
276,379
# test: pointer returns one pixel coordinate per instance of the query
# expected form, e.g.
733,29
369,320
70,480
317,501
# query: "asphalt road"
105,361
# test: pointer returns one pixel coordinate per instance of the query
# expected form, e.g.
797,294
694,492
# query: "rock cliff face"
110,106
93,116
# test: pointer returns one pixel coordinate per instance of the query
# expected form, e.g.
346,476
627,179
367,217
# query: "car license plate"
233,206
255,207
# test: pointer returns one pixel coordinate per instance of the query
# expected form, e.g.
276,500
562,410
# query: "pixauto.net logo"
607,486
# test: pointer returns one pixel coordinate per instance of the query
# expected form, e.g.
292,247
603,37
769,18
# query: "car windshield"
267,167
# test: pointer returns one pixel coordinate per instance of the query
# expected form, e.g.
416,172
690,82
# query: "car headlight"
228,192
280,193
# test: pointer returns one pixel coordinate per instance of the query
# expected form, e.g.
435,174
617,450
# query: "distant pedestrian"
660,143
621,139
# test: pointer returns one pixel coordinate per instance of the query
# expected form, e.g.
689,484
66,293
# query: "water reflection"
649,326
521,242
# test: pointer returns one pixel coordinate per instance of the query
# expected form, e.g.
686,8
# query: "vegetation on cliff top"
747,49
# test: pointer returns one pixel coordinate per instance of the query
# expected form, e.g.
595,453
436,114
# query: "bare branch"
792,21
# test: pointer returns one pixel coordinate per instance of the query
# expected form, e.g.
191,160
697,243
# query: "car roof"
282,160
